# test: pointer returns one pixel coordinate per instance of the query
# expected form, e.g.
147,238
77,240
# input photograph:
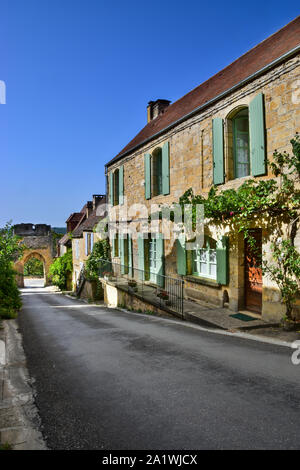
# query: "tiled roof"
63,240
248,64
87,224
75,217
91,222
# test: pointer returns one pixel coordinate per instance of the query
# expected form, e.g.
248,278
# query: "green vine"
101,250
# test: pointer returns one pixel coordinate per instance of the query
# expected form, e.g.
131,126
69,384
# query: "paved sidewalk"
209,315
19,420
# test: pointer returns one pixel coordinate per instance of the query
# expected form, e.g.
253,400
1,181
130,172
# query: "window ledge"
202,280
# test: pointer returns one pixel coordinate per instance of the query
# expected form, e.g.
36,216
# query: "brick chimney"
89,208
155,108
98,199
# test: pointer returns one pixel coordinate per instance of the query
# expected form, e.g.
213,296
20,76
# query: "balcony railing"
162,291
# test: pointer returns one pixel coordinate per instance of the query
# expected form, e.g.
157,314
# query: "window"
77,249
116,186
238,144
157,172
89,241
126,254
241,156
151,258
205,260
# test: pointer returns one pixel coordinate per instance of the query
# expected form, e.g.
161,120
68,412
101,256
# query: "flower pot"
290,325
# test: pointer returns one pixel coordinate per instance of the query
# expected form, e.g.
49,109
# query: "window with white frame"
205,260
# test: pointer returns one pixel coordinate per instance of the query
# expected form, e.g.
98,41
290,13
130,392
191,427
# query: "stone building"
38,243
221,133
65,242
84,235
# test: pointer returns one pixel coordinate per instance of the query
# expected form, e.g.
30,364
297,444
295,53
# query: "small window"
241,157
205,260
116,188
157,172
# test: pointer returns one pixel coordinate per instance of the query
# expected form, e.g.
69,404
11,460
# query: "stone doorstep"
218,317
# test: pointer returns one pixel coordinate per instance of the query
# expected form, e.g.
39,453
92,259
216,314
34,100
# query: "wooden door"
253,273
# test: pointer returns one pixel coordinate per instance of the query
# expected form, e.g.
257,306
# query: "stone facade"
38,242
191,166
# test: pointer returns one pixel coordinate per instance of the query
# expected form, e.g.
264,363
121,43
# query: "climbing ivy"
275,202
60,269
101,250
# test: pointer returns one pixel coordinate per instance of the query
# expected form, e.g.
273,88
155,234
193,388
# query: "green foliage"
34,268
60,269
10,251
5,446
101,250
276,199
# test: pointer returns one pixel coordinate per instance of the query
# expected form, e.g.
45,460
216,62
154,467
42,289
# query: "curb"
19,418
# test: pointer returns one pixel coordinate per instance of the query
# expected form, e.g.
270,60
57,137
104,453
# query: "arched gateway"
38,242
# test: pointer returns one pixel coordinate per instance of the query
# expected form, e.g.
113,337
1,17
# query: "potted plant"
289,324
107,275
132,284
164,296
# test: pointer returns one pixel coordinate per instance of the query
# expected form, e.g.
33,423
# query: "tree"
10,251
34,268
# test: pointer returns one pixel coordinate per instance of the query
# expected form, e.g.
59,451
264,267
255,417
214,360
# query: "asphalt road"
106,379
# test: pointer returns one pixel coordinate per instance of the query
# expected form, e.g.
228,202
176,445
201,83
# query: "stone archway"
37,255
38,243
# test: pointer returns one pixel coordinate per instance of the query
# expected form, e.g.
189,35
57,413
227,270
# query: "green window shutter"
147,163
218,150
121,184
130,264
181,255
257,136
141,257
160,264
122,253
166,169
111,188
223,261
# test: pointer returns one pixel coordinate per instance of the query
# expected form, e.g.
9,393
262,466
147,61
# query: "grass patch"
5,446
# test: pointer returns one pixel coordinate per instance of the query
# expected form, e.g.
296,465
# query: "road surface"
106,379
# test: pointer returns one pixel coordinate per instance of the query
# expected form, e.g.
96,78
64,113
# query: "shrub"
101,251
10,251
60,269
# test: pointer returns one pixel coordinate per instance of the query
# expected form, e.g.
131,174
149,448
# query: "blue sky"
79,75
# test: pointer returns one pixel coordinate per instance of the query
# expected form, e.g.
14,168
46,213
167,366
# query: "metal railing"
162,291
